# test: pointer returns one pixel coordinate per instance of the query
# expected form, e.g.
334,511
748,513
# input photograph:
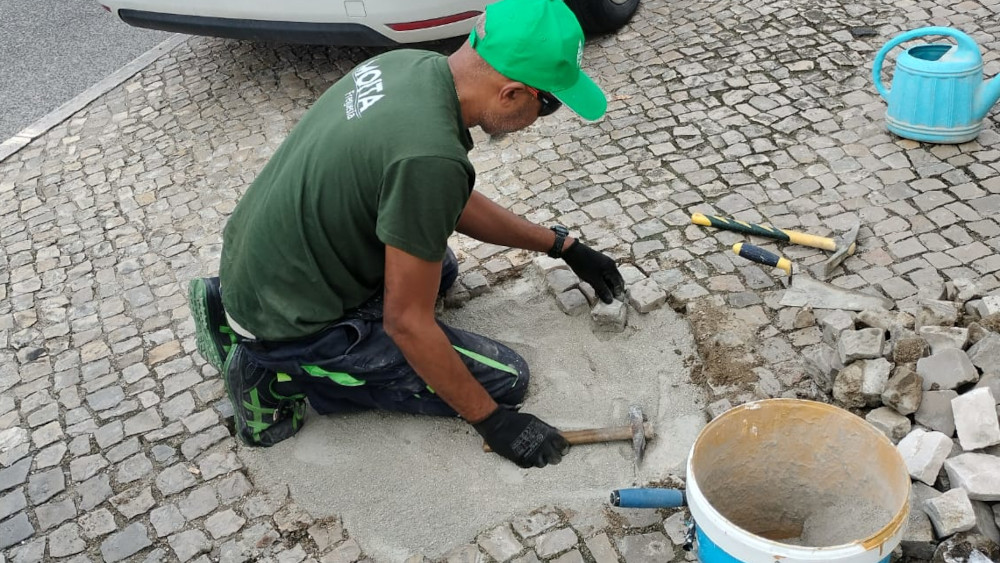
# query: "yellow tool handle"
793,237
761,256
595,435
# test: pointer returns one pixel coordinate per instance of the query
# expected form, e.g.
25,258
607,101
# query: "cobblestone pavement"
113,436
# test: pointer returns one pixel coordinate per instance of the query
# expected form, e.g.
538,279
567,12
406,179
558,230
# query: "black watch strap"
557,247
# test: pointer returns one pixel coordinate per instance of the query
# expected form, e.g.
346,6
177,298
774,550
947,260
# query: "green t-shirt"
380,159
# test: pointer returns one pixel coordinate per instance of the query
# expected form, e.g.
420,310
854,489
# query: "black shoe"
263,415
212,334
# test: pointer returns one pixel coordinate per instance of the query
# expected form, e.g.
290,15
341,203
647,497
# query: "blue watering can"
938,94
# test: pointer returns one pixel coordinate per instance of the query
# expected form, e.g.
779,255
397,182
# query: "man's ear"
510,92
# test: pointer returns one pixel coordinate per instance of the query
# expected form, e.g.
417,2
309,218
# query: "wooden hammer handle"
595,435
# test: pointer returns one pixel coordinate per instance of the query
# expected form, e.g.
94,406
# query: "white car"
340,22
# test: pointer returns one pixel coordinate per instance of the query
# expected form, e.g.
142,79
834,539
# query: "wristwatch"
557,247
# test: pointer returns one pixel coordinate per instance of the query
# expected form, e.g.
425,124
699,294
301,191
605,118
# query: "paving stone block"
134,468
143,422
14,475
976,419
909,349
935,412
188,544
15,530
533,524
985,354
991,304
213,465
560,281
224,523
948,369
54,513
12,502
609,317
94,491
45,485
572,302
326,533
885,320
991,381
985,523
951,513
918,538
833,324
66,541
544,265
125,543
500,543
924,453
175,479
476,283
847,386
962,290
631,274
195,445
874,380
134,501
936,313
166,520
646,548
945,337
199,502
601,549
646,296
978,474
866,343
822,363
904,390
350,551
894,425
233,487
555,542
97,523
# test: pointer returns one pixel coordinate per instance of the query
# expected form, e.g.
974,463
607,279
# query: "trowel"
802,290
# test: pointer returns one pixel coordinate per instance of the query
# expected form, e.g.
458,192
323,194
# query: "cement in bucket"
795,481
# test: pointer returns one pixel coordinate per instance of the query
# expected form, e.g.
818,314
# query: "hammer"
637,431
842,246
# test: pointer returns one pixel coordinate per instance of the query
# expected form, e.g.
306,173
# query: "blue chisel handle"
761,256
648,498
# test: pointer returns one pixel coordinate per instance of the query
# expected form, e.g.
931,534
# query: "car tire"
603,16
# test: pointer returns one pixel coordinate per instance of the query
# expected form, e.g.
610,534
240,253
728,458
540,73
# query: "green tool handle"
761,256
793,237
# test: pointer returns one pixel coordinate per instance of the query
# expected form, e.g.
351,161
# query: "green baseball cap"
540,43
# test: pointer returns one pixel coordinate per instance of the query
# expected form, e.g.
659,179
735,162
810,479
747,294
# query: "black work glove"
522,438
595,268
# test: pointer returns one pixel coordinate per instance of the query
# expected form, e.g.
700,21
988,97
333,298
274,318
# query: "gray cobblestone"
97,523
133,502
15,530
54,513
125,543
188,544
45,485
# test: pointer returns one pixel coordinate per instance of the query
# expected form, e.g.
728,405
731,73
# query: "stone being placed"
976,419
863,344
978,474
545,265
936,313
572,302
873,382
985,354
609,317
945,337
924,453
951,513
904,390
631,275
935,412
834,323
646,296
894,425
560,281
948,369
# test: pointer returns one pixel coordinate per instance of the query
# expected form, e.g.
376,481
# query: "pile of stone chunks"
928,378
575,297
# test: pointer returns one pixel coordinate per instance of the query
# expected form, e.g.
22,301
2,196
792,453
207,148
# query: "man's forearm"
429,352
486,221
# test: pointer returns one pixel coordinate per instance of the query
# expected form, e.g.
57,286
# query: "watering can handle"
964,42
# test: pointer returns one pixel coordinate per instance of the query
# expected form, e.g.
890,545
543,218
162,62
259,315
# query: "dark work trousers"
353,365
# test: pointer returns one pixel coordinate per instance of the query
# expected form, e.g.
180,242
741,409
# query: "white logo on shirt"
579,55
367,88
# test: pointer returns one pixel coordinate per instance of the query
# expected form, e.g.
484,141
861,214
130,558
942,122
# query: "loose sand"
405,485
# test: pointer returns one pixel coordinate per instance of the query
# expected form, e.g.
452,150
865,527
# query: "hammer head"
638,432
846,245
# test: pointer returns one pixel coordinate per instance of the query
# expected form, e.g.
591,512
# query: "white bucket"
790,481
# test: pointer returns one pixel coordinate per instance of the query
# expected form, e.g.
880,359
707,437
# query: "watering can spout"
986,95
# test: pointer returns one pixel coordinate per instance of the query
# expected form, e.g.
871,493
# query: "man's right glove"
595,268
522,438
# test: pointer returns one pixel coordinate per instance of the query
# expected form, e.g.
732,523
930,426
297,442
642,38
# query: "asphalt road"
51,50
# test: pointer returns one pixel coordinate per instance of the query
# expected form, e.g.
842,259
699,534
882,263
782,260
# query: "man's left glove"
595,268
